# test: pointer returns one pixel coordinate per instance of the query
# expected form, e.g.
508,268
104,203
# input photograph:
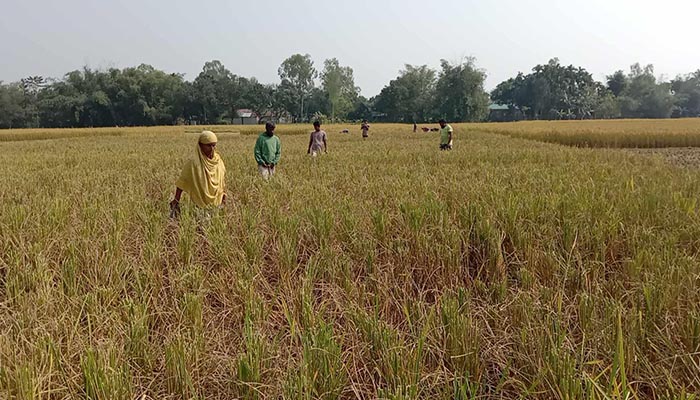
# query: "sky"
375,38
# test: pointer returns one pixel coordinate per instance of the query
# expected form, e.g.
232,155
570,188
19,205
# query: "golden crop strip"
603,133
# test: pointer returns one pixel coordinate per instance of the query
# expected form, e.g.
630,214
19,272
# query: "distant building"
245,117
503,113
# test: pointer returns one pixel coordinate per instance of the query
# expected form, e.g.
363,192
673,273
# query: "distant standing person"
415,127
202,177
268,149
317,140
445,135
365,128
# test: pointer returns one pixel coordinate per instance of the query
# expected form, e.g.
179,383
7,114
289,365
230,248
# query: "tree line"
553,91
143,95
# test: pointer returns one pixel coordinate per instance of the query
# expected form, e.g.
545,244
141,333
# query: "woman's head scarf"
202,177
207,137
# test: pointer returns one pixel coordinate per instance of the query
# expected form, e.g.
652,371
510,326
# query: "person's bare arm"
175,204
311,140
178,193
325,145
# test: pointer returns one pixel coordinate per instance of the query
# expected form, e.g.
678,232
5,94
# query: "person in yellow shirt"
202,177
445,135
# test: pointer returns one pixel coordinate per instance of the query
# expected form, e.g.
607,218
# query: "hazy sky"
375,38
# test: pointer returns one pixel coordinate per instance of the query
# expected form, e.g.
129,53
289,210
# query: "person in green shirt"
445,135
267,151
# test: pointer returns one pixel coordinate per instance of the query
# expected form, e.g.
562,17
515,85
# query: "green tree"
31,86
686,91
282,99
391,101
459,92
12,113
60,105
551,91
256,96
140,95
317,104
212,92
146,96
617,83
339,85
608,106
298,72
409,97
85,93
362,109
644,97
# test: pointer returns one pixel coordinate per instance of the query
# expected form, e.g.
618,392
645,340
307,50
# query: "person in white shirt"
317,141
